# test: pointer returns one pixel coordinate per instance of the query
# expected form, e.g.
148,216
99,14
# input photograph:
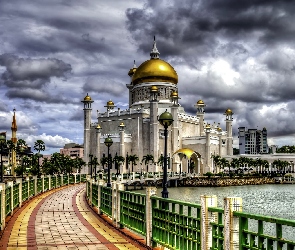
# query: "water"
275,200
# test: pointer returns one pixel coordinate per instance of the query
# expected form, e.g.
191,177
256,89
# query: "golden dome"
131,71
208,126
110,103
98,126
154,88
200,102
174,94
228,112
87,98
219,129
155,70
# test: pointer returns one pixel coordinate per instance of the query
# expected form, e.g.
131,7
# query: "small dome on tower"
174,94
200,102
132,70
87,98
98,126
154,88
228,112
110,103
208,126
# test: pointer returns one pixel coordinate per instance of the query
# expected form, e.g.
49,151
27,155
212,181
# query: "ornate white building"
136,131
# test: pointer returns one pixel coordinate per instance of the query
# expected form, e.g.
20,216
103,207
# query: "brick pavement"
61,219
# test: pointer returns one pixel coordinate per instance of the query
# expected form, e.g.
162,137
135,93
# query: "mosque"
153,89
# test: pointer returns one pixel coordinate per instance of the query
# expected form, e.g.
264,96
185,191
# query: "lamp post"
2,143
95,163
108,142
90,156
166,120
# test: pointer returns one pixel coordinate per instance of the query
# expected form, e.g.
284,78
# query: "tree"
104,161
78,163
39,146
146,159
216,161
118,159
133,159
224,163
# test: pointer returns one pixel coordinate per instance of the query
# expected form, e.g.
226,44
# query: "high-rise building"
153,89
253,141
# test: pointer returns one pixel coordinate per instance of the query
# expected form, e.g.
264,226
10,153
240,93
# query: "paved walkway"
61,219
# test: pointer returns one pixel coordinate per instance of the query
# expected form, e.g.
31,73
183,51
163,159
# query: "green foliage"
209,174
286,149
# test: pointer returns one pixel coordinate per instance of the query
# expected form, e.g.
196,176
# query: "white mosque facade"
137,131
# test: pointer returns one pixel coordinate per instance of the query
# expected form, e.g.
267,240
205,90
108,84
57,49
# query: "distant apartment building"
73,150
253,141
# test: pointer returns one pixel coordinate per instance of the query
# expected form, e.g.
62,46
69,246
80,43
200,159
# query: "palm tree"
104,161
216,161
161,160
224,163
146,159
234,163
133,159
78,163
39,146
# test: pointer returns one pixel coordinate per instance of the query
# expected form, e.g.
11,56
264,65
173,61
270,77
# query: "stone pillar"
122,144
10,185
2,212
101,183
154,128
98,135
150,191
206,218
61,180
49,182
42,176
231,223
75,178
35,184
116,188
20,196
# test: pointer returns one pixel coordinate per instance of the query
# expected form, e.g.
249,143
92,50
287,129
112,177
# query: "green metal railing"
46,183
39,185
217,228
58,181
8,208
32,187
260,240
95,194
71,179
83,178
53,182
25,190
15,195
78,178
65,180
133,211
176,224
106,200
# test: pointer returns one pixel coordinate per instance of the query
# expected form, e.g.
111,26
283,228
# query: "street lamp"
108,142
2,144
166,120
95,163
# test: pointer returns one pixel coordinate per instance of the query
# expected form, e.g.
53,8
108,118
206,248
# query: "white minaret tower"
87,123
208,150
229,142
175,129
98,135
154,124
200,114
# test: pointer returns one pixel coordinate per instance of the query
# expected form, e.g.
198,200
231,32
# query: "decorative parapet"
188,118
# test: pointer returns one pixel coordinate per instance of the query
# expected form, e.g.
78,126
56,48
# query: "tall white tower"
87,123
200,114
229,120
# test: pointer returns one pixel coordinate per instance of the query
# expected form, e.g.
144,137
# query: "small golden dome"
174,94
98,126
87,98
228,112
110,103
155,70
208,126
132,71
154,88
219,129
122,124
200,102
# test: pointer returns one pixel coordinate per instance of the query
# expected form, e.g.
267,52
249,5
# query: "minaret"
154,124
200,114
229,140
155,53
14,140
87,123
208,150
98,135
175,129
122,144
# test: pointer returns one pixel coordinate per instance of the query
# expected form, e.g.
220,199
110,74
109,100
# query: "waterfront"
276,200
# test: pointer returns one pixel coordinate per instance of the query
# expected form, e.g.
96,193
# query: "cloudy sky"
232,54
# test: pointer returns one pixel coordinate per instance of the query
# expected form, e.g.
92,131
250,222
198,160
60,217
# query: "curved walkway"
61,219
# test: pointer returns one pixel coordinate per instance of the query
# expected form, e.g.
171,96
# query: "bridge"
61,212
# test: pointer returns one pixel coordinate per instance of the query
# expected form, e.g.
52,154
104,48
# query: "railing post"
117,187
20,193
2,207
90,195
10,185
61,180
150,191
49,182
42,176
35,184
100,184
231,223
75,181
206,217
28,180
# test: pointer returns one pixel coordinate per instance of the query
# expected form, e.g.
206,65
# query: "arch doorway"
194,160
